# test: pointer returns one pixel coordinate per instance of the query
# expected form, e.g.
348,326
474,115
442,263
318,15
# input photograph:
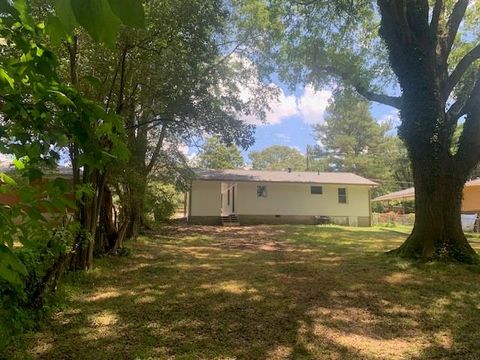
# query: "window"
228,197
342,195
261,191
316,190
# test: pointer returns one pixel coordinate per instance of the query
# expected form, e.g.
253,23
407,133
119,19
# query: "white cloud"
312,104
190,154
392,118
284,107
183,148
310,107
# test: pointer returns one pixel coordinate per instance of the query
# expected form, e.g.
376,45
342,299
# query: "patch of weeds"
123,251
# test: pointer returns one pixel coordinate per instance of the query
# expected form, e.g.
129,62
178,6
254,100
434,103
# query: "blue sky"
291,119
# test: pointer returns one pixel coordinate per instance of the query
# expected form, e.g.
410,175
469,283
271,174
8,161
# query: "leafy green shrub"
41,116
161,201
24,304
124,251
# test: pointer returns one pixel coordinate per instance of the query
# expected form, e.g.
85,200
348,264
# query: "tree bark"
135,209
437,233
418,54
439,180
107,233
89,212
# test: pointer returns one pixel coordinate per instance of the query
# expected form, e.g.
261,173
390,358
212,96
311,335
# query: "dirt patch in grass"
265,292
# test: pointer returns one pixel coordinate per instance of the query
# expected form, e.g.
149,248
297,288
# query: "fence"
393,218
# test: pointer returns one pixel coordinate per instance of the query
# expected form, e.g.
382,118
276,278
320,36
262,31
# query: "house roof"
283,176
409,194
406,194
474,182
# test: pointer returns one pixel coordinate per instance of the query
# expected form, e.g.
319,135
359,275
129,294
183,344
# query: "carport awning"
409,194
406,194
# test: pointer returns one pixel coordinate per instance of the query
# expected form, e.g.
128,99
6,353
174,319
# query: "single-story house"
470,203
279,197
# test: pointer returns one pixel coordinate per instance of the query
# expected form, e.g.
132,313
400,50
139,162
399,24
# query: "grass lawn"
265,292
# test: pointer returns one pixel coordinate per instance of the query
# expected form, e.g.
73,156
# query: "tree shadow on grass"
267,293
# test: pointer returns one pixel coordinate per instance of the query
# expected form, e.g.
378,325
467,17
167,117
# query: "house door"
233,199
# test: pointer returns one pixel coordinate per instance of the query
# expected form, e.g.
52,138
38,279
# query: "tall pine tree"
353,141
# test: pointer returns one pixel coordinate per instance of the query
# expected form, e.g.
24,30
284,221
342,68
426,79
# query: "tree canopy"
216,155
278,157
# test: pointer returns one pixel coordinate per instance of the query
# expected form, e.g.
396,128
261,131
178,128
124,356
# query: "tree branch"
462,67
468,153
112,85
454,22
73,52
156,152
437,11
456,111
122,79
394,101
143,123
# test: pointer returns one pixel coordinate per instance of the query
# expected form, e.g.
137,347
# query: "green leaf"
62,98
108,155
8,275
129,11
19,164
6,78
10,266
23,8
95,82
98,19
64,12
12,260
55,29
7,179
34,213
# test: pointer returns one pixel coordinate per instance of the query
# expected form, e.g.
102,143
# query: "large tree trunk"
136,209
437,233
107,233
89,211
418,53
109,237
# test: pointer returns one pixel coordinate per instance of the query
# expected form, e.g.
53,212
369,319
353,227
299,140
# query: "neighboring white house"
279,197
